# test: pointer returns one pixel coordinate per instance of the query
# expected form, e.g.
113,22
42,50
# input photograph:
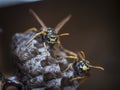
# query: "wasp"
81,66
50,35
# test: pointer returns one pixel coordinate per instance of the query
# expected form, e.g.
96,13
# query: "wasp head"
82,65
51,36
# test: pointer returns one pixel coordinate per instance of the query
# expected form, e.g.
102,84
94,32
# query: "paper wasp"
50,35
81,66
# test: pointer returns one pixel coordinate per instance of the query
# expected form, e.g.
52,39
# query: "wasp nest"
37,66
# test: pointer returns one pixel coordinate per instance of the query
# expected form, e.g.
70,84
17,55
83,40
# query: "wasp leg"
59,43
67,51
69,57
69,66
30,30
70,52
78,78
34,37
46,49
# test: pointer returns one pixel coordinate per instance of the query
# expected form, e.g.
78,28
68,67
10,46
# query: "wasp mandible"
81,66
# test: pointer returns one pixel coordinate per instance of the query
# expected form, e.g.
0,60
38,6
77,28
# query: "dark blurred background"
93,28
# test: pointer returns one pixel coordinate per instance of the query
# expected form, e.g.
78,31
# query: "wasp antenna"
62,23
38,19
64,34
80,56
83,54
96,67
